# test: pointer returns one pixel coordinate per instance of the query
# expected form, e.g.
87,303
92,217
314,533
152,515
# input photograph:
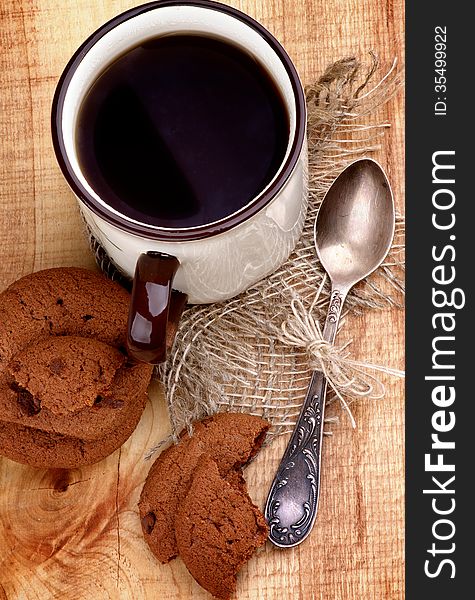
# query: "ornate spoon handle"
292,502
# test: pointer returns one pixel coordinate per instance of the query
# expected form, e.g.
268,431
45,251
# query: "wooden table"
76,535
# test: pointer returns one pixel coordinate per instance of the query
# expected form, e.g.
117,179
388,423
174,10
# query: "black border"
426,133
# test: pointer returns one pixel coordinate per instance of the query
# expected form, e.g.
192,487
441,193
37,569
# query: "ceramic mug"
207,263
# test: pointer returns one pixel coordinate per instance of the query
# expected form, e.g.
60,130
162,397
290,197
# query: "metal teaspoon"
353,234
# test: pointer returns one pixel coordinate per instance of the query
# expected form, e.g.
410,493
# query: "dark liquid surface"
181,131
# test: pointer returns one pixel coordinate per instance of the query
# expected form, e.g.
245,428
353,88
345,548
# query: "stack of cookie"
195,503
69,396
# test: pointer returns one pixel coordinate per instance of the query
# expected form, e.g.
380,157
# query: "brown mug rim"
202,231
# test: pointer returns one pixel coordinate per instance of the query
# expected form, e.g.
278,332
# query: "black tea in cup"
181,131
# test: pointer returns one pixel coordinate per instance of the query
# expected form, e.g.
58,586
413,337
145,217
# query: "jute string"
255,353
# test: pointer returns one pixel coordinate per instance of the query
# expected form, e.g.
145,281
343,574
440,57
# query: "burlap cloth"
255,353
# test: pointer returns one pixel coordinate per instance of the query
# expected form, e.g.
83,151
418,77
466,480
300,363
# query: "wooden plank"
76,534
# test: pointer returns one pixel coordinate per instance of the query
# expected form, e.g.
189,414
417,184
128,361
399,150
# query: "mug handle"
155,308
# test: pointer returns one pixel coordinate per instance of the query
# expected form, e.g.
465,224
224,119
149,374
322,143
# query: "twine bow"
345,376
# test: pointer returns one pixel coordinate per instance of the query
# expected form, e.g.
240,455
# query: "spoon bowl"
355,224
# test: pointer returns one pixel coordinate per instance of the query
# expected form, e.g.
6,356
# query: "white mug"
211,262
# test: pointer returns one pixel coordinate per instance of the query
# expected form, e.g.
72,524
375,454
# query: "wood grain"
76,534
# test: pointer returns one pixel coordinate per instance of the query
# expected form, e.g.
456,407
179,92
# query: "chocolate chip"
59,302
148,522
115,403
28,403
87,317
108,402
56,366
